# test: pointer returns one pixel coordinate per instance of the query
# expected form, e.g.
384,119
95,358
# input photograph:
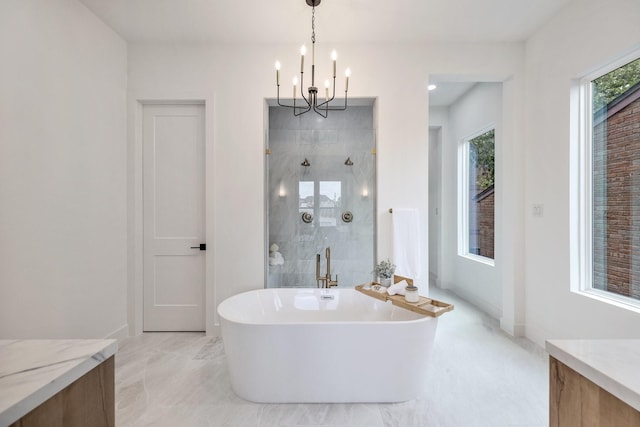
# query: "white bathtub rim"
423,318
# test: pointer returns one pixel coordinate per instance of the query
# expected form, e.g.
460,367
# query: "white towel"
397,288
406,242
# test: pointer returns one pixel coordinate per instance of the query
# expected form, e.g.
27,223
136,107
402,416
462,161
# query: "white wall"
62,173
63,225
586,34
63,161
476,281
234,80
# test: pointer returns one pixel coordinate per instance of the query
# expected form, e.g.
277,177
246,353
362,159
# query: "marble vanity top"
613,365
31,371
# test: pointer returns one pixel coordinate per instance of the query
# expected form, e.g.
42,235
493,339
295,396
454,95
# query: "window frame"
463,195
582,107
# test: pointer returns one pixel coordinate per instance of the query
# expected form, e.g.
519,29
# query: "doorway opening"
460,109
320,191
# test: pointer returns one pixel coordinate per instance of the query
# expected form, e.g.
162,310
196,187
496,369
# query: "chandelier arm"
278,97
333,95
316,107
319,111
302,91
304,110
294,106
341,108
338,108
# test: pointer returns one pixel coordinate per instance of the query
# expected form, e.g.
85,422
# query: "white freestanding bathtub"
324,345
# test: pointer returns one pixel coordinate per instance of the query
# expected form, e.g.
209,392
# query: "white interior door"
174,213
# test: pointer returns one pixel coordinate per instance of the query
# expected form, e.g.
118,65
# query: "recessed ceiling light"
431,87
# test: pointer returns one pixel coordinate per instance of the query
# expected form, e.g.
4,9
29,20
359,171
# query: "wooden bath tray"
425,306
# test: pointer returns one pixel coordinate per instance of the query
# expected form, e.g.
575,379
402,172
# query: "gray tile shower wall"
326,189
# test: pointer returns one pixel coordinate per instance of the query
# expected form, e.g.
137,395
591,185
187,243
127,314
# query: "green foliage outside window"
613,84
482,158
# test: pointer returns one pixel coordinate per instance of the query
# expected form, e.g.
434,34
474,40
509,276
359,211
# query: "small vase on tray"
385,281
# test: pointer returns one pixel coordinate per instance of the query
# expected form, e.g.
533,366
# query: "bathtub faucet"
326,279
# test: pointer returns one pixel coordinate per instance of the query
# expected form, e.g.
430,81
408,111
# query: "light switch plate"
538,209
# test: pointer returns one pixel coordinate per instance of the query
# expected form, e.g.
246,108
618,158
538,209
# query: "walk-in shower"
320,194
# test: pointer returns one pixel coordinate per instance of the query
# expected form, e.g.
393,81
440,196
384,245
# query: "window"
306,201
329,196
330,200
478,195
611,211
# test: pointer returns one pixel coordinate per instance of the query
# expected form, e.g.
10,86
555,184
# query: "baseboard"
214,331
434,280
517,330
119,334
477,301
536,334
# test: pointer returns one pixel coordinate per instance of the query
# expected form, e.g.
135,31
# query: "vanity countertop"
612,364
32,371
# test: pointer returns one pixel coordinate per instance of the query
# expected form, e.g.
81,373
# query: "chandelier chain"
313,24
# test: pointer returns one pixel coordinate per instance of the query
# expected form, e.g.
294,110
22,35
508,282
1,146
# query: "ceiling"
343,21
347,21
446,92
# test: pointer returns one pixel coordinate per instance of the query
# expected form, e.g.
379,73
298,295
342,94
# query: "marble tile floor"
479,377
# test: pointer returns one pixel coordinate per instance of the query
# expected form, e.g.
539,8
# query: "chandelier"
311,100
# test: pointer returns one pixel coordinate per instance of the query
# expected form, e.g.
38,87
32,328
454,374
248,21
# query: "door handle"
202,247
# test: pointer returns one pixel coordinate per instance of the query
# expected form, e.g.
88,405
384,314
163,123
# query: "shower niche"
320,194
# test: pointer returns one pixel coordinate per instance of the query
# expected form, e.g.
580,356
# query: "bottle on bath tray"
411,294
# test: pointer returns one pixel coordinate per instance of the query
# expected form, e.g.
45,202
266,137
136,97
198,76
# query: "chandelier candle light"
311,100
